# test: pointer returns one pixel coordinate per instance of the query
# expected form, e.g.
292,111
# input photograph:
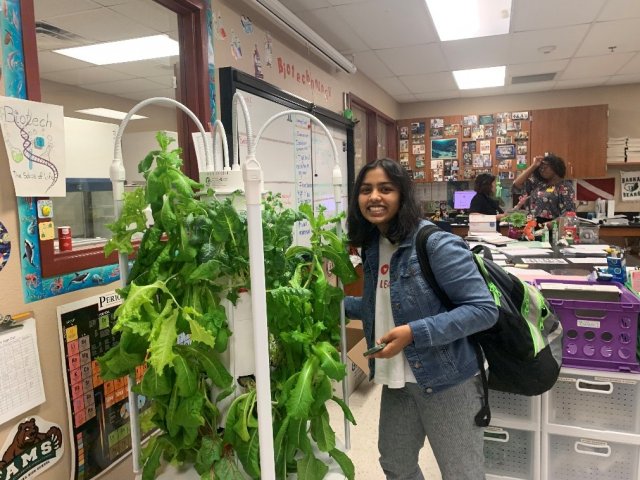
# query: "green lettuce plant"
193,257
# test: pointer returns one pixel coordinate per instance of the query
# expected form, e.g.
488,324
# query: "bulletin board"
99,426
450,148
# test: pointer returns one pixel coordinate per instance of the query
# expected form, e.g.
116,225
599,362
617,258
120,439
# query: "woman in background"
485,201
428,365
549,194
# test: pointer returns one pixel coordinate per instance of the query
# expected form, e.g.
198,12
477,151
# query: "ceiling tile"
413,60
524,46
326,23
54,62
623,79
431,82
146,68
83,76
581,82
409,98
632,67
166,81
149,14
476,52
389,23
533,15
393,86
529,87
618,9
343,2
536,68
46,10
369,64
298,6
604,65
623,34
102,25
109,3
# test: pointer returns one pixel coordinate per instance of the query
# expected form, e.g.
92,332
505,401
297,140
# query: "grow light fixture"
286,18
108,113
459,19
121,51
480,77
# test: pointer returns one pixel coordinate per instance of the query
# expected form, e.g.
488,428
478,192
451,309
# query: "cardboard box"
357,363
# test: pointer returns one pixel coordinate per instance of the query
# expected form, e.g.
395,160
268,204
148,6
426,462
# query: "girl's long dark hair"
361,231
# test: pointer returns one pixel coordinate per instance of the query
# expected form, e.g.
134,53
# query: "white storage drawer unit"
512,407
607,401
511,453
566,457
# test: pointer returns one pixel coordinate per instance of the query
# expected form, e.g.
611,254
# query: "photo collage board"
460,147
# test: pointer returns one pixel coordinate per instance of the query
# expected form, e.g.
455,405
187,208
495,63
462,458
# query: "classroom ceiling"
580,43
71,23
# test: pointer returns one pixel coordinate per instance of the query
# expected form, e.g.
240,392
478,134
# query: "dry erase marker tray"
598,334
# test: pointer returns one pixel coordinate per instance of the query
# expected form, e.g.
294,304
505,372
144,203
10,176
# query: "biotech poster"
33,134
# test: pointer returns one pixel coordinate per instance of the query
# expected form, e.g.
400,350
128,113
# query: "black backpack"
524,347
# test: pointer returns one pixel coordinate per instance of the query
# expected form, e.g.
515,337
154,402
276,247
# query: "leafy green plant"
173,321
303,316
517,219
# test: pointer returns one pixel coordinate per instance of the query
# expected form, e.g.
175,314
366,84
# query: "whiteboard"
296,157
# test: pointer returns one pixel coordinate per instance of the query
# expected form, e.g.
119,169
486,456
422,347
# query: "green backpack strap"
483,417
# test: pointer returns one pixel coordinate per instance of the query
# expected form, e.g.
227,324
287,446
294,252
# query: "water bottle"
554,233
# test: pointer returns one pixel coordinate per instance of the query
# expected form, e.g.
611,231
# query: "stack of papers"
493,238
633,150
589,291
616,149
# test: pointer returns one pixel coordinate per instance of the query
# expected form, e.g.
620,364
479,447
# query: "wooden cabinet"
577,134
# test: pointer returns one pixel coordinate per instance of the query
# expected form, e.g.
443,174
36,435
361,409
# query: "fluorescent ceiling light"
108,113
480,77
458,19
132,50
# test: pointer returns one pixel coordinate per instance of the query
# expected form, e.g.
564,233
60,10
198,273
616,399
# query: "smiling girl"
428,367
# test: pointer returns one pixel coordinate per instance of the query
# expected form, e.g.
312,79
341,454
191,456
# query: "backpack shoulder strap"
423,258
483,417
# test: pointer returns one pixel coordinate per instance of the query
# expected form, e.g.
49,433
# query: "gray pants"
407,416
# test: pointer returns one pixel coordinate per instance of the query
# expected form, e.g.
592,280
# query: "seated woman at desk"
549,194
485,200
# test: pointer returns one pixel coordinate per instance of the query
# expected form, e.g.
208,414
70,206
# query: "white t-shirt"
395,371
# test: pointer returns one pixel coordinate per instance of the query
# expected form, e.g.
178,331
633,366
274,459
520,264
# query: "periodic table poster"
98,411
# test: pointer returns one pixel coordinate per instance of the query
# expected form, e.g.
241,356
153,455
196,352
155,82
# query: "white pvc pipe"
218,131
118,176
252,175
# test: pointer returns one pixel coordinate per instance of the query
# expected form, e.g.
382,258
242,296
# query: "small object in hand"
374,349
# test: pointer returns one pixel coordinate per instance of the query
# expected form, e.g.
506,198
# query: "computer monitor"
462,199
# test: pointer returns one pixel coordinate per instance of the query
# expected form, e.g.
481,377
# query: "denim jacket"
440,355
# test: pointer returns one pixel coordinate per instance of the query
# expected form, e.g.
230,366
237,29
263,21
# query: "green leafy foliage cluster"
193,258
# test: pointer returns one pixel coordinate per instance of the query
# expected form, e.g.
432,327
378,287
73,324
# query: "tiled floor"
365,405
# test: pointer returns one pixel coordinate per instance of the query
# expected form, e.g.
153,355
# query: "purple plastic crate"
598,335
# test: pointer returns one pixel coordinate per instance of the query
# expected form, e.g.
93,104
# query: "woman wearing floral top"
549,195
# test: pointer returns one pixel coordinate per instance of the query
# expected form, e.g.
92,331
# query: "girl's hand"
396,339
